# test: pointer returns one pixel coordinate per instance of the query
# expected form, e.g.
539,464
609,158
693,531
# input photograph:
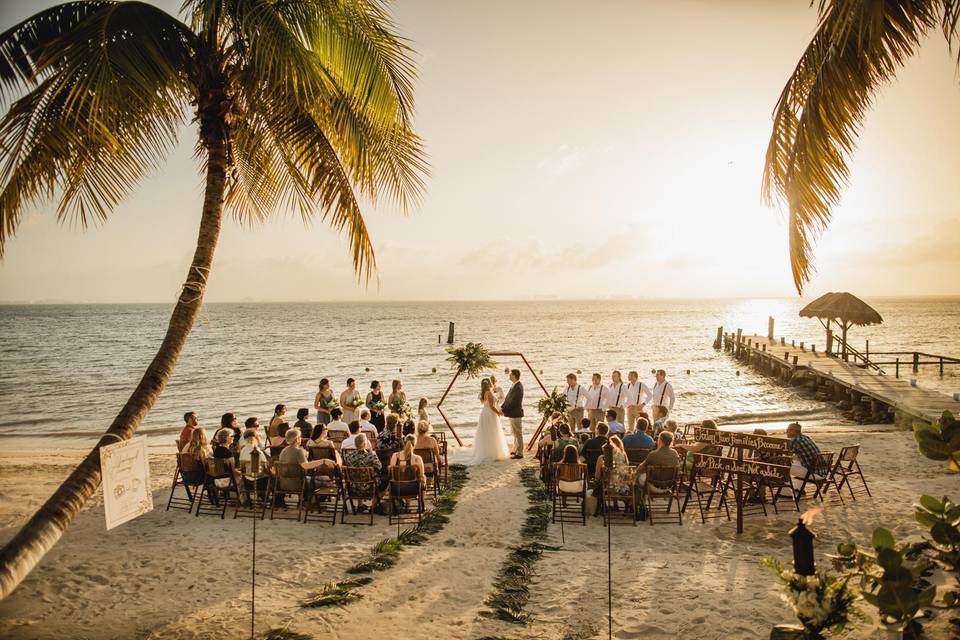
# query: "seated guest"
553,423
622,479
660,415
565,438
639,438
293,453
229,421
585,426
646,416
222,443
368,427
406,456
190,421
763,456
705,447
595,445
570,455
198,446
273,429
409,427
336,424
805,452
319,440
362,456
672,427
389,438
350,441
254,423
615,428
306,429
250,479
425,440
662,456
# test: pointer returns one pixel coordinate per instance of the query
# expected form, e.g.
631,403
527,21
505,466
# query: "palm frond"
105,112
857,48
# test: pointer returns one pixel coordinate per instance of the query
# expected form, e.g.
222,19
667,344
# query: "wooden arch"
495,354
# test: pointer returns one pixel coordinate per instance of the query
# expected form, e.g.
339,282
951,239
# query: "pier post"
866,354
813,348
916,362
801,345
450,334
941,366
829,350
793,343
898,368
786,356
764,348
783,341
795,358
719,340
770,328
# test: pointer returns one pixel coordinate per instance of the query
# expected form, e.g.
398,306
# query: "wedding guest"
596,401
570,455
662,393
617,396
615,427
251,480
566,439
350,442
406,456
550,429
223,443
622,478
367,427
198,446
390,437
362,456
595,445
273,427
497,391
663,456
229,421
660,414
305,427
763,456
409,427
319,440
425,440
805,452
293,453
252,423
190,422
350,400
639,438
638,394
336,424
396,394
376,403
422,410
576,399
323,402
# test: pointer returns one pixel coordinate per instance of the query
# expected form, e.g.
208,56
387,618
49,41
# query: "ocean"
65,370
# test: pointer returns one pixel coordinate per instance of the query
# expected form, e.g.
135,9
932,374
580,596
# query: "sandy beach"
172,575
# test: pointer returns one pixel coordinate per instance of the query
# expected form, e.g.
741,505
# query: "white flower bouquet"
821,601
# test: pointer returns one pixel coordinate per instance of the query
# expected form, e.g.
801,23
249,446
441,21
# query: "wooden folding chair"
255,483
337,437
848,469
590,457
637,456
613,496
189,474
359,485
430,470
287,481
405,485
661,486
573,488
819,476
324,494
217,469
707,485
784,483
545,457
322,453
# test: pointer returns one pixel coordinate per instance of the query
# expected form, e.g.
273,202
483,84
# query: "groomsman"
662,393
638,394
596,401
617,395
576,400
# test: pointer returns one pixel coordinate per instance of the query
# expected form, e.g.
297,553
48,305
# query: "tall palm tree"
859,46
304,104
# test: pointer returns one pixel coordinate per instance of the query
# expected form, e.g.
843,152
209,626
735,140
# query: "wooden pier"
871,393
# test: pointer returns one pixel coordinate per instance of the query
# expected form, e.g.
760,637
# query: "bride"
489,444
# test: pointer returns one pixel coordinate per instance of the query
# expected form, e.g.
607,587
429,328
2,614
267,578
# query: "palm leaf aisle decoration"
858,47
298,104
471,359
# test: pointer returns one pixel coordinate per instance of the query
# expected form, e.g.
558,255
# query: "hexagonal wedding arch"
495,354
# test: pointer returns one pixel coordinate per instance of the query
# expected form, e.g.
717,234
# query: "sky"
577,150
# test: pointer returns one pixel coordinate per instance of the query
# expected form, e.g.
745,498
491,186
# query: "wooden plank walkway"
897,393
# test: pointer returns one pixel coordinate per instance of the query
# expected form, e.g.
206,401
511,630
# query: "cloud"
562,160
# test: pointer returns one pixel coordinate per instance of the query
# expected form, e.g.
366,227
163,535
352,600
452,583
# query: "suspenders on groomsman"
596,404
617,399
576,398
638,394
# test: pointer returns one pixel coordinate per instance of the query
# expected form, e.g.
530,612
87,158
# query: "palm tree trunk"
44,529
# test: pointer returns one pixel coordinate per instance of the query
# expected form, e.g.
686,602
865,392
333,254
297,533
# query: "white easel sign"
126,481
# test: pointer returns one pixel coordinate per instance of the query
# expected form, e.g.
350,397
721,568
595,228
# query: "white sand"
172,575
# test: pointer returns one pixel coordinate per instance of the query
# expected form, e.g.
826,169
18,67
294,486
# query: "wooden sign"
742,440
746,467
126,481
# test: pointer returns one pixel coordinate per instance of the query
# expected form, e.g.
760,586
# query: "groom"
512,407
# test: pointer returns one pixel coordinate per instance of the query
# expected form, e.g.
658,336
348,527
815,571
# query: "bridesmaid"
397,393
377,417
348,399
321,402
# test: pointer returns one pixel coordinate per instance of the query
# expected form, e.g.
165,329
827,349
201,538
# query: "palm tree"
304,104
859,46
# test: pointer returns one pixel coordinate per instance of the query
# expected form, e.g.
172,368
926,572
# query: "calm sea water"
66,370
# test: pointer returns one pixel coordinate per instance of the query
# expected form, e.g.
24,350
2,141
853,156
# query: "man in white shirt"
617,395
350,442
596,401
336,424
576,400
368,427
662,393
638,394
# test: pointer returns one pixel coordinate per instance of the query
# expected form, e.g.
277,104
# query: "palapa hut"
844,308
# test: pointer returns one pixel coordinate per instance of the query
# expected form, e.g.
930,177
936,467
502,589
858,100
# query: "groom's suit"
512,408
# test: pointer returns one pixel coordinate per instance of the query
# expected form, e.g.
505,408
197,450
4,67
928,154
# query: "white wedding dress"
489,443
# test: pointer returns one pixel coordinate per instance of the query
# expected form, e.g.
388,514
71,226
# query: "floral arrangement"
329,404
378,406
400,407
821,601
470,359
354,402
555,402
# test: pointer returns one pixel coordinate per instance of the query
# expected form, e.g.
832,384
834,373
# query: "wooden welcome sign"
742,440
738,469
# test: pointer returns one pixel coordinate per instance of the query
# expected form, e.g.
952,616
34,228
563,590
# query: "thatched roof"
845,307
